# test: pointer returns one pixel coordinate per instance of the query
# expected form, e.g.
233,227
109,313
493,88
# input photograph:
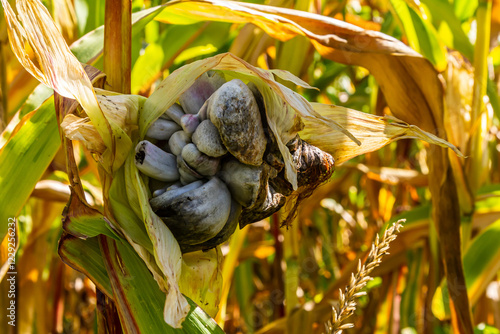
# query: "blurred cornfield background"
285,280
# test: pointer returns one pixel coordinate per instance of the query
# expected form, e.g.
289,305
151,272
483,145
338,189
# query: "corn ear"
108,131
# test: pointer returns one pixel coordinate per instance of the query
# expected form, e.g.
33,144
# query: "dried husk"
109,132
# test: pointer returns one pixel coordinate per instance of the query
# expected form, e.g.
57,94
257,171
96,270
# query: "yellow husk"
121,110
372,131
108,132
167,252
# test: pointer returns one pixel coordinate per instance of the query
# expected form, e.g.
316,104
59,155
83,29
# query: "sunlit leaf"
402,73
421,35
481,263
201,278
444,11
24,158
464,9
372,131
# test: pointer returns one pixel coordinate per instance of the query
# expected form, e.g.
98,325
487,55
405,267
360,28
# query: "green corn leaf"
443,10
157,54
489,202
491,90
410,298
481,263
125,217
485,329
465,9
421,35
84,222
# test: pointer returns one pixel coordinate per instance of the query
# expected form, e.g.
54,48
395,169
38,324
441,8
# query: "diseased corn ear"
284,109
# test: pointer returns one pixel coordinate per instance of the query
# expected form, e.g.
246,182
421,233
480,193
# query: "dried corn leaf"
82,129
58,68
373,132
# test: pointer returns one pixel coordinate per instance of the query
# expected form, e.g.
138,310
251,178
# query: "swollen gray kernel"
201,163
207,139
197,215
174,113
162,129
193,99
168,196
177,142
186,172
156,163
234,111
189,123
158,192
246,183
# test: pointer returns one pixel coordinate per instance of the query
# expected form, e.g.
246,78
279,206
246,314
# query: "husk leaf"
372,131
283,106
201,278
58,68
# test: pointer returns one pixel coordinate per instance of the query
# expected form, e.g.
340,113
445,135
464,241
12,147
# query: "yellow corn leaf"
392,176
58,68
37,254
65,18
459,85
251,43
372,131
